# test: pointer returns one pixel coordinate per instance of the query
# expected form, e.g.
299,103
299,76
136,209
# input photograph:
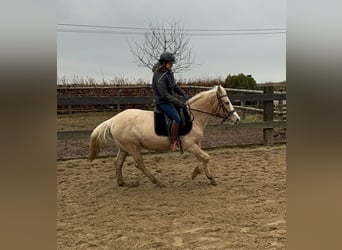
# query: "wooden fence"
265,99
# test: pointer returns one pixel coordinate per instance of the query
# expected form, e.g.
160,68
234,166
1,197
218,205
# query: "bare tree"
159,39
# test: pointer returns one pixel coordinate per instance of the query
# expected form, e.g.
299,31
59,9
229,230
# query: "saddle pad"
161,127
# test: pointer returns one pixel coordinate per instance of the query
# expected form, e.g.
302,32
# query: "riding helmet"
167,57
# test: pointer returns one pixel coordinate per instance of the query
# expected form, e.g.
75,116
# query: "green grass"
81,121
252,118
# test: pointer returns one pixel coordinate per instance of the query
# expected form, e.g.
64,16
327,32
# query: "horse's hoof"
160,185
213,182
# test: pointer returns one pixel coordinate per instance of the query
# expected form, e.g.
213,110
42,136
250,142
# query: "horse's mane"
201,94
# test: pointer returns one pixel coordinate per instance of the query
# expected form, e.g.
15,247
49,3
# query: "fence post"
118,105
268,116
281,110
243,112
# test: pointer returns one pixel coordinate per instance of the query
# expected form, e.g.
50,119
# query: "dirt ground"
247,210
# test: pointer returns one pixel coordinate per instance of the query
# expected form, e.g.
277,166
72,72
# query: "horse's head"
225,110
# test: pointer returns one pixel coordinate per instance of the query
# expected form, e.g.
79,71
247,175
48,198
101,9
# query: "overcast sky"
108,55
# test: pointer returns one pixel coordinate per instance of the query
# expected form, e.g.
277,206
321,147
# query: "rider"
164,89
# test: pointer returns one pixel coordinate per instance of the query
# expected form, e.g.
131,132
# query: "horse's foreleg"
203,158
120,158
140,164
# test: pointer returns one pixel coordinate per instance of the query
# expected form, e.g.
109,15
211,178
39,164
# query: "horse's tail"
100,135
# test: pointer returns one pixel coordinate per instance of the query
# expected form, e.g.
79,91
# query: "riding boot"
174,136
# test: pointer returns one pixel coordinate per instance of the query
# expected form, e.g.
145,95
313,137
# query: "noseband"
220,106
226,112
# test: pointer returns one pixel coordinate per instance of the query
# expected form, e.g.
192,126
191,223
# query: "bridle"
220,106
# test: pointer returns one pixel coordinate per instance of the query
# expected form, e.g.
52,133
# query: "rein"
227,113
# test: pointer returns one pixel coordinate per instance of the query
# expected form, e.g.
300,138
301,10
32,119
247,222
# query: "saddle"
162,123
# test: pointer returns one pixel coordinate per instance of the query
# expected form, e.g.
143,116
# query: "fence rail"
115,100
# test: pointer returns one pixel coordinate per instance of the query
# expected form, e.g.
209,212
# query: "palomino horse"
133,129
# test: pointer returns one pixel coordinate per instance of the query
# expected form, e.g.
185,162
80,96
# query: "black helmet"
167,57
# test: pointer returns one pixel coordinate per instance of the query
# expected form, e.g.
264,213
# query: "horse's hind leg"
194,173
120,158
203,158
140,164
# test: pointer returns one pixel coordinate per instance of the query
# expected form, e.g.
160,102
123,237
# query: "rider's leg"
174,135
170,110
